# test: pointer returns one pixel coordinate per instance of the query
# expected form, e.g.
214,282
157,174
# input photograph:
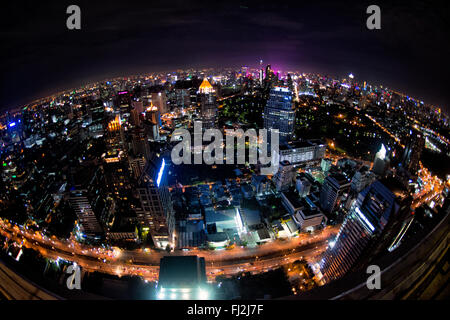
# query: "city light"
203,294
160,173
363,217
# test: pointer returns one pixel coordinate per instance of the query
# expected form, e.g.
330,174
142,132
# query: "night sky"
40,56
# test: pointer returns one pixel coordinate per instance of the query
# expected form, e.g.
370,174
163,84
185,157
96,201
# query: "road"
146,264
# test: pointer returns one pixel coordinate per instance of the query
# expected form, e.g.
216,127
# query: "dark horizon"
119,38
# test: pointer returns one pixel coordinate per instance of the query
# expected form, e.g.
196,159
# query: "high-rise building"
139,142
372,226
325,164
81,204
115,137
362,179
136,112
284,178
412,152
153,122
156,203
380,162
137,166
207,98
333,189
159,100
279,112
303,186
302,152
122,101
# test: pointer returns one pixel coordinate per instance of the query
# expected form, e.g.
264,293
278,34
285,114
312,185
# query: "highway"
146,264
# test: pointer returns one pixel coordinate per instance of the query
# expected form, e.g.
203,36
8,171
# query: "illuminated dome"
205,87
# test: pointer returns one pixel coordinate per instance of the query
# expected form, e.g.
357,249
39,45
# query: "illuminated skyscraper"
208,104
380,161
374,224
157,203
279,112
412,152
333,188
159,100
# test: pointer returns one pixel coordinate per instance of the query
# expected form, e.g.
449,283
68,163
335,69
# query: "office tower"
81,204
302,152
333,189
182,97
380,162
269,71
279,112
372,227
325,164
261,77
284,178
412,152
139,142
303,186
152,122
207,98
137,108
362,179
137,166
135,118
261,184
290,82
122,102
156,203
159,100
96,111
115,135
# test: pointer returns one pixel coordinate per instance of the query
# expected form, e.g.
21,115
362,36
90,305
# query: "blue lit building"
156,203
279,112
375,224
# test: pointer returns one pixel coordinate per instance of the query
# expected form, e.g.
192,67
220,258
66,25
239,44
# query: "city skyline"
305,163
117,42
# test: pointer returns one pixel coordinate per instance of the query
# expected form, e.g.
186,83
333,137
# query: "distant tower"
268,71
279,112
412,152
159,99
380,162
208,103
